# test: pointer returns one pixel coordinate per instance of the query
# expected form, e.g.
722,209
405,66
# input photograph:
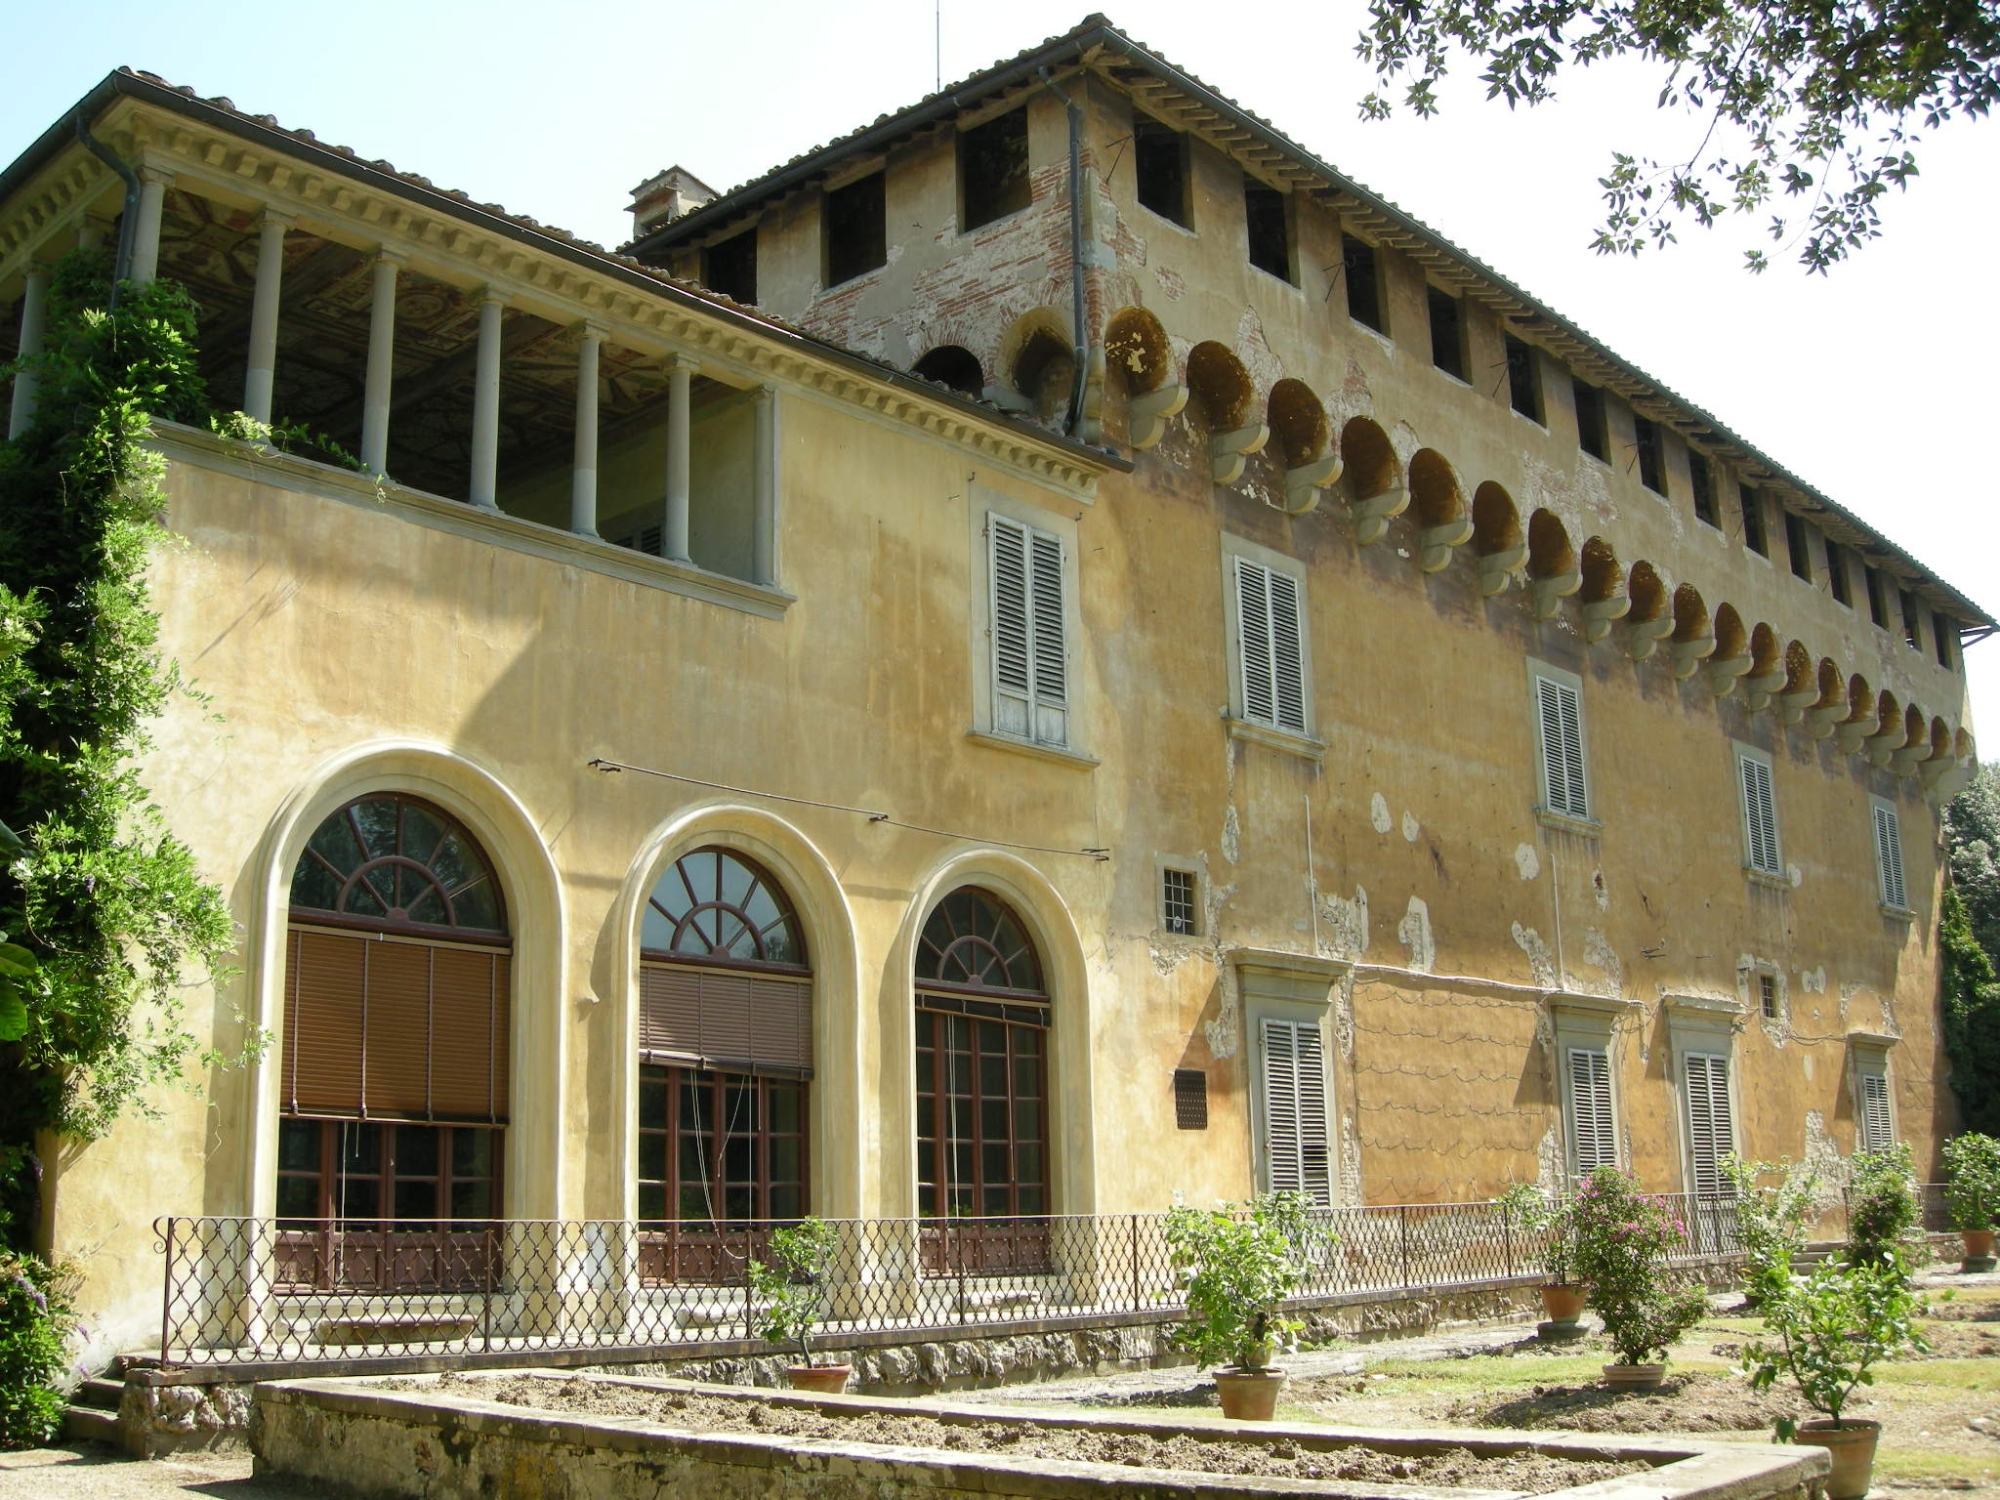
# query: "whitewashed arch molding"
796,862
1036,901
535,916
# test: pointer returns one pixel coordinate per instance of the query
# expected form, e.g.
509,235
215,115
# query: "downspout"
1079,321
128,222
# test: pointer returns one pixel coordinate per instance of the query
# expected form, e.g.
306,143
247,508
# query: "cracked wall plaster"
1378,813
1597,952
1344,924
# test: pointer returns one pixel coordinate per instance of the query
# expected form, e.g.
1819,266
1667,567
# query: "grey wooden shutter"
1760,816
1253,632
1295,1138
1560,712
1051,654
1013,673
1889,857
1288,680
1593,1131
1877,1132
1711,1135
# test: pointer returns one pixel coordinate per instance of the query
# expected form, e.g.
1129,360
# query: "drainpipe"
1079,320
128,222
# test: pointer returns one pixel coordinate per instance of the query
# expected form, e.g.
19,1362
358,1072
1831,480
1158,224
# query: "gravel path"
90,1471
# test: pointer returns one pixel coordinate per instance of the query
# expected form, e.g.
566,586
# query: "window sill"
1897,913
1587,828
1766,879
1167,219
1277,276
1055,754
1302,745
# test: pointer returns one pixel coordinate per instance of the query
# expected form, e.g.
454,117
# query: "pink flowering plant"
1623,1240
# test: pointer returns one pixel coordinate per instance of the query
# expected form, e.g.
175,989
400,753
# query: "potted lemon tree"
1973,1194
1623,1239
793,1293
1238,1265
1830,1330
1528,1206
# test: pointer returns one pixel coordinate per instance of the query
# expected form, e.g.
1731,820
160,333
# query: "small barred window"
1177,902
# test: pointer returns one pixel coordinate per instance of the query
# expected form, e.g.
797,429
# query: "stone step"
89,1424
98,1393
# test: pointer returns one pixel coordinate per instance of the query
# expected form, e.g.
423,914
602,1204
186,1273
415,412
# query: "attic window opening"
951,365
1941,635
1447,333
1878,599
1913,630
993,170
1177,902
1755,536
1524,385
1267,221
730,267
856,231
1363,272
1160,162
1836,573
1652,454
1795,544
1591,435
1701,480
1767,995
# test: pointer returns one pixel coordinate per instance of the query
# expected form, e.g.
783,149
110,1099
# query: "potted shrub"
1881,1208
1831,1329
1238,1265
1623,1238
1973,1195
1772,1222
794,1296
1529,1207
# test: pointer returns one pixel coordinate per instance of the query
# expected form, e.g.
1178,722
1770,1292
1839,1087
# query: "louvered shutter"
1051,660
1760,816
1593,1132
1560,712
1013,673
1288,680
1711,1135
325,1009
1877,1133
1889,858
1253,630
1295,1135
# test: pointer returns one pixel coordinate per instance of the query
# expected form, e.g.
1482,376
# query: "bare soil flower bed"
1280,1456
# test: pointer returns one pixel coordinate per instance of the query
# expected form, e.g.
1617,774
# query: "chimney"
666,197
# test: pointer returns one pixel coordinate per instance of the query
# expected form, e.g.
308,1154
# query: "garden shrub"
36,1320
1973,1193
1623,1239
1881,1207
1772,1221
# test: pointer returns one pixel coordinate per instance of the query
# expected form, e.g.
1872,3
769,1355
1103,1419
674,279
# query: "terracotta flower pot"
1634,1377
1562,1302
1978,1245
1851,1444
825,1380
1249,1395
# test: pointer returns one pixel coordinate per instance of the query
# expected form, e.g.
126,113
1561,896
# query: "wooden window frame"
1885,824
717,1086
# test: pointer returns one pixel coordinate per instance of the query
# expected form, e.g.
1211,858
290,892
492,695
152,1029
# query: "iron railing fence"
267,1291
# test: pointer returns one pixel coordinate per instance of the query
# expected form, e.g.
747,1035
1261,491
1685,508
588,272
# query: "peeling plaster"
1414,933
1551,1168
1821,1153
1813,981
1344,928
1598,953
1343,1015
1255,351
1222,1032
1173,285
1378,813
1541,962
1795,876
1350,1159
1232,834
1600,890
1526,861
1411,827
1404,439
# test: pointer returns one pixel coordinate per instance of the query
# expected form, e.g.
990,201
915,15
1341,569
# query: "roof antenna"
937,41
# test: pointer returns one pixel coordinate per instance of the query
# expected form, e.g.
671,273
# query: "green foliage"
1881,1207
36,1320
1813,107
1972,831
1973,1193
1772,1220
1831,1329
1623,1239
794,1290
1970,999
104,899
1530,1209
1240,1263
283,437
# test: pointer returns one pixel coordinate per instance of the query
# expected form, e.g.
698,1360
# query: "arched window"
725,1037
982,1065
394,1067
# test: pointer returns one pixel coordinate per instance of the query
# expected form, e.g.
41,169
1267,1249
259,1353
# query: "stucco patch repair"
1173,285
1344,925
1411,827
1414,933
1343,1015
1823,1155
1795,876
1541,962
1404,439
1350,1158
1221,1033
1232,834
1378,813
1600,890
1527,862
1551,1168
1597,952
1255,351
1813,981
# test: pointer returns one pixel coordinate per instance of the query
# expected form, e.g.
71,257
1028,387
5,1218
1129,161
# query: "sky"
1870,383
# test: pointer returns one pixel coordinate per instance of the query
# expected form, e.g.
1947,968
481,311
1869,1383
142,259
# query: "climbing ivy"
106,906
1971,1004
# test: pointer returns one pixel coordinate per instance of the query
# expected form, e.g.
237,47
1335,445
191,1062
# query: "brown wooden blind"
739,1022
394,1029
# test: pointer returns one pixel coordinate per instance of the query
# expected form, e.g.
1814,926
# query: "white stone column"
92,230
153,185
674,535
764,515
34,319
261,373
583,481
486,404
381,365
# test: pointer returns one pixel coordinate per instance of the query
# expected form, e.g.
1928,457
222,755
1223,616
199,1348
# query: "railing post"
167,1296
1137,1300
1403,1238
1507,1238
956,1246
486,1311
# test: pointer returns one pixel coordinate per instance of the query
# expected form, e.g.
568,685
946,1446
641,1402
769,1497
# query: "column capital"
277,216
679,361
150,173
590,328
384,255
494,296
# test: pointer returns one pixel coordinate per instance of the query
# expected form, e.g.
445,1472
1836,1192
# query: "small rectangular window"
1190,1099
1591,434
1295,1136
1796,534
1030,652
1889,857
1760,816
1559,726
1447,332
1179,910
730,267
1711,1128
1755,537
1593,1124
993,170
1160,163
1878,596
1913,630
1363,270
1647,443
1701,480
1877,1130
856,229
1836,573
1524,380
1270,626
1942,635
1266,217
1767,996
